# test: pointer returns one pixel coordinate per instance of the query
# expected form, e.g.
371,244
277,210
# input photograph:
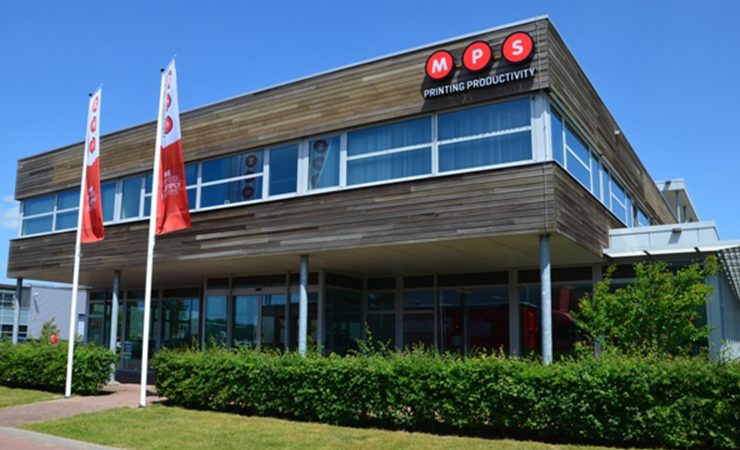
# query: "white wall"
48,303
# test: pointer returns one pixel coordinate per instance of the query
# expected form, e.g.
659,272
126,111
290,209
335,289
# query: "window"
388,152
618,200
234,179
108,198
577,158
418,317
484,136
131,198
642,219
323,163
557,138
55,212
283,170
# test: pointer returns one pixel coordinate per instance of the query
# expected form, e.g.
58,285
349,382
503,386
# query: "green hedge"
40,365
609,400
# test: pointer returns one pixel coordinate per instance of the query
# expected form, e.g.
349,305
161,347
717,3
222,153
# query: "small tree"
659,312
48,329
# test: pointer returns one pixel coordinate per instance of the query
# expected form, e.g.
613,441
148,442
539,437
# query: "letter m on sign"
439,65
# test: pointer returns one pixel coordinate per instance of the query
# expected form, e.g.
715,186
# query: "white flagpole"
76,272
150,250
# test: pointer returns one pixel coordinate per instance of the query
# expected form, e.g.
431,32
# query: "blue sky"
666,70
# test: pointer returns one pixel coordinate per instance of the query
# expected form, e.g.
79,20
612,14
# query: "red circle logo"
477,56
168,101
54,339
96,100
94,124
518,47
92,145
168,125
439,66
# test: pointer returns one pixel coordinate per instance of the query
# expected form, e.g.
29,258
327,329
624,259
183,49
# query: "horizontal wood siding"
572,91
377,91
492,203
579,215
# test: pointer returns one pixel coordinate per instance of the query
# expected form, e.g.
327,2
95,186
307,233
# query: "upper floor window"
323,162
485,136
388,152
54,212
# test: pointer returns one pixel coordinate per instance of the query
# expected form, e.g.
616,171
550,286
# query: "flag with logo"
91,222
173,212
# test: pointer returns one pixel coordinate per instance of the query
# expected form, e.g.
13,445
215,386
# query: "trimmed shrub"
614,400
40,365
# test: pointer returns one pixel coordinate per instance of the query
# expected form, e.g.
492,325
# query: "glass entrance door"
274,329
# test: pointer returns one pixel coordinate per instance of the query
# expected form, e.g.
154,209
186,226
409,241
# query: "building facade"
430,191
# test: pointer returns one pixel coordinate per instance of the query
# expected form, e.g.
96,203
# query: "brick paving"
114,396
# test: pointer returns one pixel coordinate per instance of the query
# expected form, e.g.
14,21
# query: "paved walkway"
115,396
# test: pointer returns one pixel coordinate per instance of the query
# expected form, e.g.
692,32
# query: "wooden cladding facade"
377,91
483,204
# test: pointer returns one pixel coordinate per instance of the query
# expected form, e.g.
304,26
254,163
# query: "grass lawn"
160,427
14,397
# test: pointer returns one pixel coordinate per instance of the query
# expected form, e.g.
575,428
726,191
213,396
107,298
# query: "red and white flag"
173,212
92,210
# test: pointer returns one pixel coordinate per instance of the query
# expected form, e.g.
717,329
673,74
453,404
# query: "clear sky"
666,70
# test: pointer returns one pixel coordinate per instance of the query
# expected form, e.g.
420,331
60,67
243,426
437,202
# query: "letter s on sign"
518,47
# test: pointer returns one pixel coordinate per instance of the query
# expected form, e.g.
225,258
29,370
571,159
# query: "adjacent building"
440,195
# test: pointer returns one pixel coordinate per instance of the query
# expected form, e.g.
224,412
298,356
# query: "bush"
674,402
39,365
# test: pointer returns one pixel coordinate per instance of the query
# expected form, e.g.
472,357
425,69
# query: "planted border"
613,400
39,365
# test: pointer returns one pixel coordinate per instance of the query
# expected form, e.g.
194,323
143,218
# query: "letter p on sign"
477,56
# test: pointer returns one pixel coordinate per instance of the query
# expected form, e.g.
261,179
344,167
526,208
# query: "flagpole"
76,276
150,249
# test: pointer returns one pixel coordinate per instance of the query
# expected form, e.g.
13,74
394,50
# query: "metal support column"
545,299
114,321
514,317
303,306
17,308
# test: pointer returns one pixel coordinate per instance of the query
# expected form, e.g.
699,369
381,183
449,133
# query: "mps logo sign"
478,57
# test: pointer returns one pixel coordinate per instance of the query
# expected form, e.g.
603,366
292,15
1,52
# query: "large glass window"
131,197
418,318
343,313
577,158
283,170
56,212
216,320
323,163
474,318
557,138
484,136
234,179
246,313
387,152
108,198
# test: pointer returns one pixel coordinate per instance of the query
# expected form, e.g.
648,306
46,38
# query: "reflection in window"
216,320
484,119
418,318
